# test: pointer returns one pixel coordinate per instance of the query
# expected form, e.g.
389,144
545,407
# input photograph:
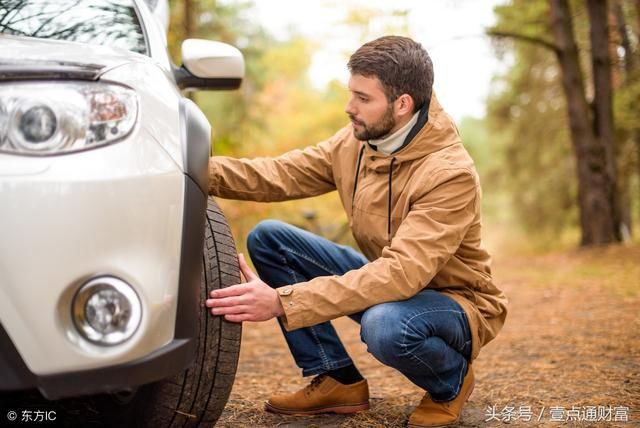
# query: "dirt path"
570,350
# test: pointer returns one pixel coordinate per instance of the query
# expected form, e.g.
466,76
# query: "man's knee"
382,331
261,237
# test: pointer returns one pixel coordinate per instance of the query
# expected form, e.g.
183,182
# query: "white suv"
104,216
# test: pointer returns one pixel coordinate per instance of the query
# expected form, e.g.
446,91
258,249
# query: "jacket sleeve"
429,235
293,175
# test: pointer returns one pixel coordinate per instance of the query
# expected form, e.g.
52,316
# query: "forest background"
523,146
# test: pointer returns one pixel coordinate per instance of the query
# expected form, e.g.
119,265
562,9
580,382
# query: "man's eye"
363,99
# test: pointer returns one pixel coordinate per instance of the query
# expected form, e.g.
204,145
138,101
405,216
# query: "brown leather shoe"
322,395
432,414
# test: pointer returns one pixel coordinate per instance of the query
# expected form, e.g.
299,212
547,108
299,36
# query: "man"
422,292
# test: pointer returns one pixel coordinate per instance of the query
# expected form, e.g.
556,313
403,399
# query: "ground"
571,344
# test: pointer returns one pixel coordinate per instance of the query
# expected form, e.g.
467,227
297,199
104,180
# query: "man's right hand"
254,300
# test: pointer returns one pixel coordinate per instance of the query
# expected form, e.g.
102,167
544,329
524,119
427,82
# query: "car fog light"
106,311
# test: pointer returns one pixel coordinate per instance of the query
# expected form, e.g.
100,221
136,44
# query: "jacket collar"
435,132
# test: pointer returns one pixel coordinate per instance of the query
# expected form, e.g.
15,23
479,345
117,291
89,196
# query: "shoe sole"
341,409
449,423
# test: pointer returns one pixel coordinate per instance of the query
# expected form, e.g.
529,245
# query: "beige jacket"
415,215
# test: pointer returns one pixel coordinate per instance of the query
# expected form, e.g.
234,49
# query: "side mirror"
209,65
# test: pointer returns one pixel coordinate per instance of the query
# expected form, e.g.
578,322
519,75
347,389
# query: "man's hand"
251,301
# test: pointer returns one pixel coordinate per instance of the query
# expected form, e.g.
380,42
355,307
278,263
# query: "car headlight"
3,123
53,118
106,311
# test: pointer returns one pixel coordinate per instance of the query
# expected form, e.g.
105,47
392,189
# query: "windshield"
112,23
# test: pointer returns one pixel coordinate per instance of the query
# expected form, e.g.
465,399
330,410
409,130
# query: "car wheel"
198,396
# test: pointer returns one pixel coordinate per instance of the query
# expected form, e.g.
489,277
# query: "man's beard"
377,130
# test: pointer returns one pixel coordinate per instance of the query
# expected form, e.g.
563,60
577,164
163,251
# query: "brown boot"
432,414
322,395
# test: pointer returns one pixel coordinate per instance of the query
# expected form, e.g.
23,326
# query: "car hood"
33,58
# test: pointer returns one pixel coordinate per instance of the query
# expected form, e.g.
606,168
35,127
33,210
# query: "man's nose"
349,108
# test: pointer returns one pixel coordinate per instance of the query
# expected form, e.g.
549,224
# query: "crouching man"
421,288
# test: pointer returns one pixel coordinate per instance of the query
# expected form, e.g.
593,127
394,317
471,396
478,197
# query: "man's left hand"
254,300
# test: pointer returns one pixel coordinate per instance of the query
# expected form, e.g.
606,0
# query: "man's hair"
402,65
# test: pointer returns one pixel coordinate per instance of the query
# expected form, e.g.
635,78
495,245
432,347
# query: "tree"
638,15
626,107
232,114
603,101
591,131
533,161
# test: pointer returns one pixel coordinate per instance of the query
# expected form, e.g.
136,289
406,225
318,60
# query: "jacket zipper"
355,182
389,202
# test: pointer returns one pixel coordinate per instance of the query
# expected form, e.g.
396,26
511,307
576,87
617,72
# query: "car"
109,242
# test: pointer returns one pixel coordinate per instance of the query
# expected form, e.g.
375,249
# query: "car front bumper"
125,210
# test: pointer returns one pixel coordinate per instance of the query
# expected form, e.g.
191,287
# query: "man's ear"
404,105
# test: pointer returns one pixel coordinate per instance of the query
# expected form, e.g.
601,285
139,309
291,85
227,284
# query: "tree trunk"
637,131
630,64
603,102
597,214
638,17
188,19
625,42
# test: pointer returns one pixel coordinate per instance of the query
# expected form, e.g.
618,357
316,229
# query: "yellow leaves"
372,22
289,60
291,111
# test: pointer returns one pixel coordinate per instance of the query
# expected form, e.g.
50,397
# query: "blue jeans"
426,337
